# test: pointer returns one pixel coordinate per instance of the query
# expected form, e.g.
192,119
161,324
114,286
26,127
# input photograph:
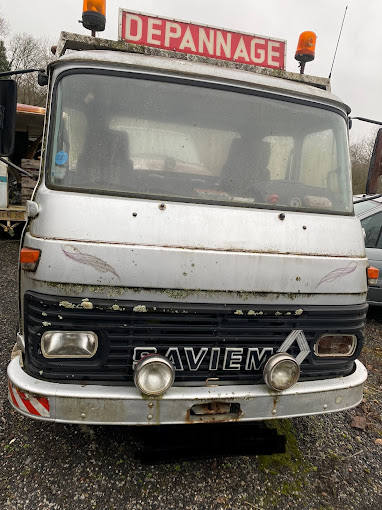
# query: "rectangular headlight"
335,345
69,344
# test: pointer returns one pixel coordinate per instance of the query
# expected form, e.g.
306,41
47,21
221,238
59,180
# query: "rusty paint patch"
213,412
212,408
208,381
275,402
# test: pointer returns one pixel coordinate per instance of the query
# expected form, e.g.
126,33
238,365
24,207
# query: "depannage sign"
203,40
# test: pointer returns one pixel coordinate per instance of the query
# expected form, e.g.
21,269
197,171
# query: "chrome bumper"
121,405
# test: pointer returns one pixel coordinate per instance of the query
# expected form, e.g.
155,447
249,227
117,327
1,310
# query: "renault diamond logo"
296,335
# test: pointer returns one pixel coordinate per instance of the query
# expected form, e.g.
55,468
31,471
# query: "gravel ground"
328,464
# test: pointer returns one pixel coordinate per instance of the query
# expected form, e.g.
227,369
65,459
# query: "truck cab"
192,253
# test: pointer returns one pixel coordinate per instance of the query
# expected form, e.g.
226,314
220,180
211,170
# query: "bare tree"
4,63
4,29
28,52
360,155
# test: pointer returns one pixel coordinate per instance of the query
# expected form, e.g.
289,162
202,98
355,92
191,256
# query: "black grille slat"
166,325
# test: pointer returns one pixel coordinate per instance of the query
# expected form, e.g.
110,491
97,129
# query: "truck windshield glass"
147,138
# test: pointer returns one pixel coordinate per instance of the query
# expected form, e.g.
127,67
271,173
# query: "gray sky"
357,74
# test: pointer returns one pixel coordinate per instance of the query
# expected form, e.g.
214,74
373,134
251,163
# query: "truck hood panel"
207,270
126,221
143,244
98,241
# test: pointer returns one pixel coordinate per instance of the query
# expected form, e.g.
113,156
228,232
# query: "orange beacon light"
94,15
305,49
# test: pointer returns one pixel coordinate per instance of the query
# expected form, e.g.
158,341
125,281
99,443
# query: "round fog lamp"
281,371
154,374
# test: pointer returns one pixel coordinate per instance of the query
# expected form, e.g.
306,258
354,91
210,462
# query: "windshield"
149,138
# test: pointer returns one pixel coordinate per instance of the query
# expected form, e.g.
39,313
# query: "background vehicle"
17,187
370,214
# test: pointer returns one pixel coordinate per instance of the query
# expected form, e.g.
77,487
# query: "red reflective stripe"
12,395
44,402
27,404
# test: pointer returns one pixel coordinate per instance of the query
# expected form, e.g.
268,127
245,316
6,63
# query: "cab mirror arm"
17,168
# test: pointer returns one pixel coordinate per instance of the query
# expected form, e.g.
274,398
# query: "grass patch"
291,462
292,459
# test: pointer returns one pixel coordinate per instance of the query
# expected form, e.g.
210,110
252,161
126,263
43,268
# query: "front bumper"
121,405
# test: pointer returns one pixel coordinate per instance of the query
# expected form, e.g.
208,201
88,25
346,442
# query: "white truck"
192,253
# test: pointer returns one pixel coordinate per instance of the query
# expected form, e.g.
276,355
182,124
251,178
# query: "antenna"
339,37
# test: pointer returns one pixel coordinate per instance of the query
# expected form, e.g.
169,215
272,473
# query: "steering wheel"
253,191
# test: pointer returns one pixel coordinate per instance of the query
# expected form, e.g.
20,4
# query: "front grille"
189,330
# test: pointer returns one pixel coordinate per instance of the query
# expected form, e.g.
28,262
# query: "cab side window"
373,229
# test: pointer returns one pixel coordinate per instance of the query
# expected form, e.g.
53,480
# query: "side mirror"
8,103
42,79
375,170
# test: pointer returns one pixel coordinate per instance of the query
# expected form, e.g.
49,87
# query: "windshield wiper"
366,198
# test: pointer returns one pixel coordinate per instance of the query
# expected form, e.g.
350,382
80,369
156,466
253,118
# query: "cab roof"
107,54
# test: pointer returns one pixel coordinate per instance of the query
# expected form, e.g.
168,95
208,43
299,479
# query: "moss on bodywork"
114,291
278,73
